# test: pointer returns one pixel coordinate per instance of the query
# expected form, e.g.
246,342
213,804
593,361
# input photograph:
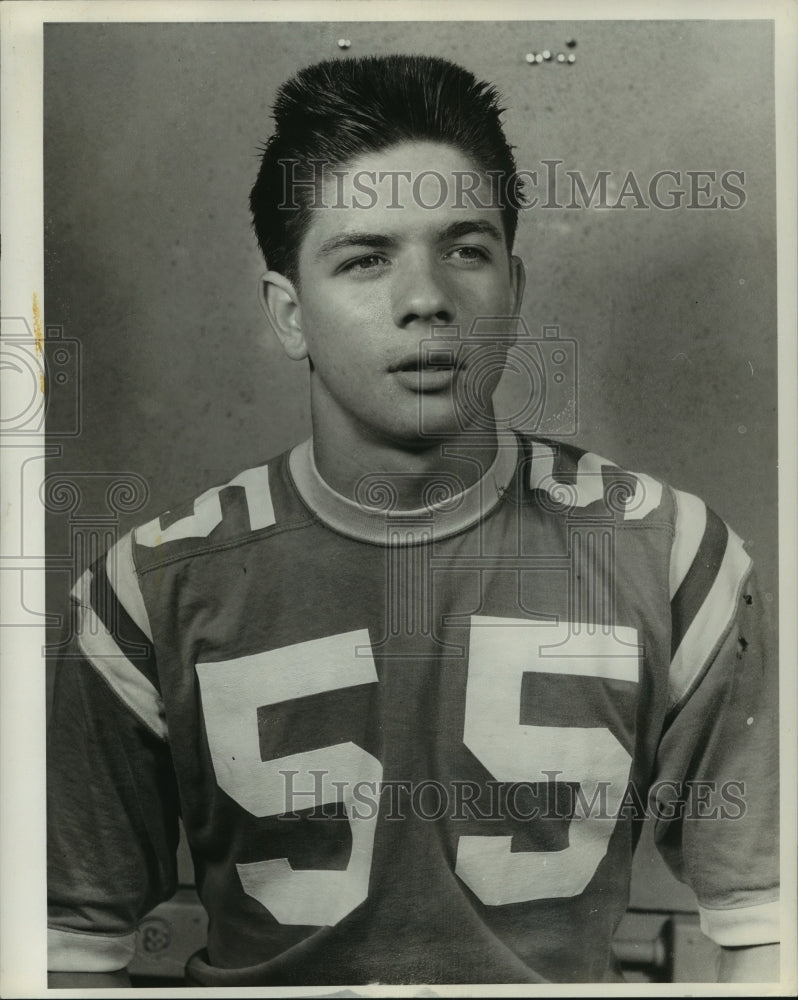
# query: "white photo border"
22,689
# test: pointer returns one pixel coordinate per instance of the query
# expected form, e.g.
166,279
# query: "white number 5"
501,651
232,691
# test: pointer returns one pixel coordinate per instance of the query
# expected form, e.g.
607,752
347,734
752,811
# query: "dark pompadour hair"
334,111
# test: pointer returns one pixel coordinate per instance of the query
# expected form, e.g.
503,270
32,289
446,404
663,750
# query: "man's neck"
410,470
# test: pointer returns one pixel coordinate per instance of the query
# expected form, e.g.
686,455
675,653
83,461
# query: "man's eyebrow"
379,241
384,241
469,227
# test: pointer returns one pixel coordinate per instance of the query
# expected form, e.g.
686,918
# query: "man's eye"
369,262
468,255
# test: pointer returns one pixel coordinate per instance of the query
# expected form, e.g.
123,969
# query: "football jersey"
413,746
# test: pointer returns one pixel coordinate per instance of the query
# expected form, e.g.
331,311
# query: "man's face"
374,281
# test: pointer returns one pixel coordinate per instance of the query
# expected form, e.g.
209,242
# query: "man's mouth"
419,364
424,374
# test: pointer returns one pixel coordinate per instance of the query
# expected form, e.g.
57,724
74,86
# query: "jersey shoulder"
569,480
704,551
255,501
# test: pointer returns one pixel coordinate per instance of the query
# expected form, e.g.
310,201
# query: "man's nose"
421,293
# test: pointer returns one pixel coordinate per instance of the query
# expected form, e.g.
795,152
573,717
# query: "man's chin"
443,429
440,417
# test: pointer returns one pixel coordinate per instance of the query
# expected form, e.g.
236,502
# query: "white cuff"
73,951
742,925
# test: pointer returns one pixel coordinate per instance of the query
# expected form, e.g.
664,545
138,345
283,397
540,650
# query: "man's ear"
280,301
518,282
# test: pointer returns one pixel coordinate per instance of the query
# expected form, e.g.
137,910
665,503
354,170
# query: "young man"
412,686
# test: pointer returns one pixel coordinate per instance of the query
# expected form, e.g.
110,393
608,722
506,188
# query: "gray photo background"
150,143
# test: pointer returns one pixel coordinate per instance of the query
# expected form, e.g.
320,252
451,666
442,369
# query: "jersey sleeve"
112,818
716,782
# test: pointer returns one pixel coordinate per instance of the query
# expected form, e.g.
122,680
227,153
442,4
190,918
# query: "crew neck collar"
447,512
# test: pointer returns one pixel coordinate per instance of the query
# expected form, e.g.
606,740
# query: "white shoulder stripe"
123,578
71,951
101,650
691,522
82,588
742,925
711,621
259,498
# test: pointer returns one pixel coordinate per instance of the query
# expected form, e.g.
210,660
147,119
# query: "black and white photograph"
398,448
